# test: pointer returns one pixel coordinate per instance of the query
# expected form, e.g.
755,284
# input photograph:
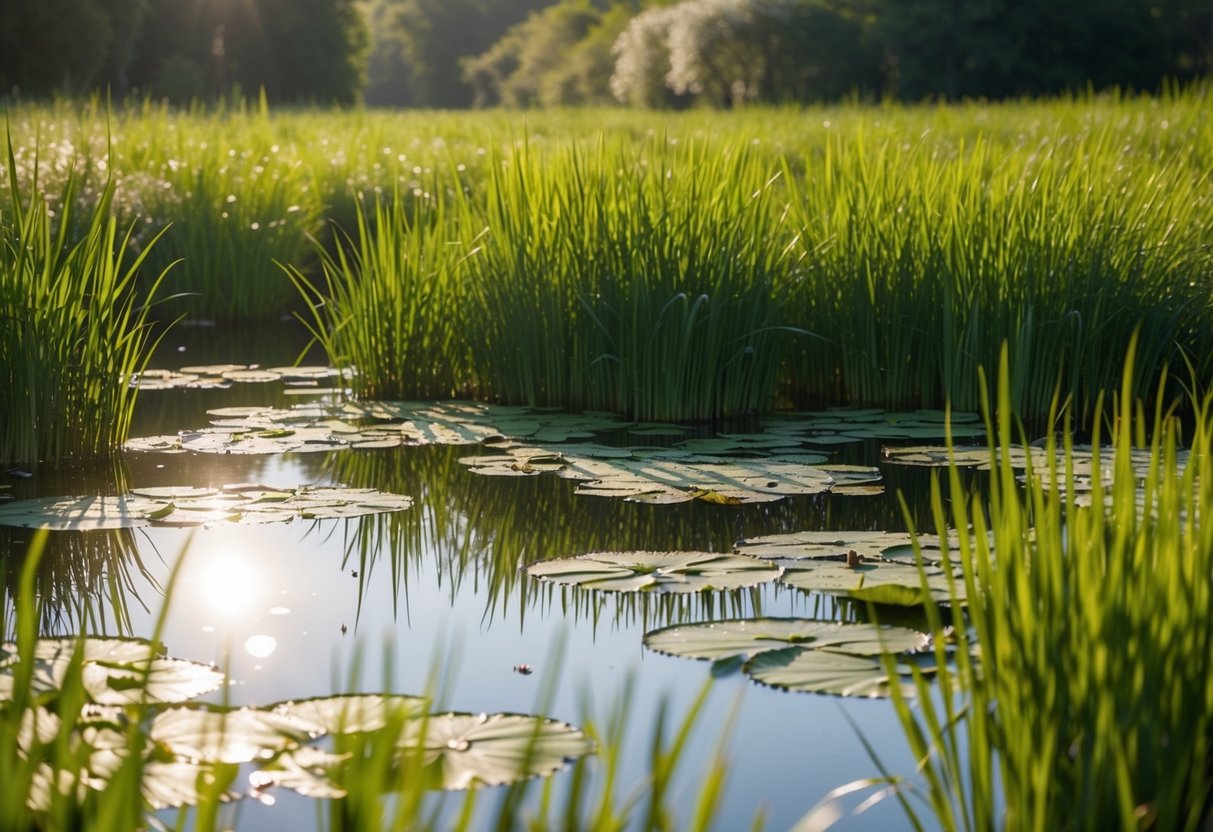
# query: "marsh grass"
75,328
920,259
636,279
634,260
391,295
1083,673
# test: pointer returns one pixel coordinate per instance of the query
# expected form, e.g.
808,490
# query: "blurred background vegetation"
542,53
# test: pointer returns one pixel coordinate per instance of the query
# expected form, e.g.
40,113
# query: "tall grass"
390,298
925,237
641,280
1084,674
74,328
920,260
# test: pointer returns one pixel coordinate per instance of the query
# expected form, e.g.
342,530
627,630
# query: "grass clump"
1083,674
74,329
640,279
391,295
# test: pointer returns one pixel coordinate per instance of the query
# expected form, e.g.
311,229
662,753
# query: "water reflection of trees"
85,581
480,531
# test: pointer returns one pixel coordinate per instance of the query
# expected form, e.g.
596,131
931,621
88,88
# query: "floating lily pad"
881,582
664,572
659,480
220,735
352,713
850,424
823,671
306,770
718,640
75,513
826,544
188,506
113,671
466,751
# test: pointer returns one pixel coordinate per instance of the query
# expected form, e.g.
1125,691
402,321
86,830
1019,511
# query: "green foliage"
920,259
75,328
391,296
1083,670
637,280
530,64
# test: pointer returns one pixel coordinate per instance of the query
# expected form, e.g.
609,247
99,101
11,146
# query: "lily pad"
661,480
75,513
239,735
113,671
881,582
663,572
352,713
189,506
306,770
718,640
823,671
466,751
825,544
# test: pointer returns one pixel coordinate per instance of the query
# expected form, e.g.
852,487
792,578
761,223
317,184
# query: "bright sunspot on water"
227,585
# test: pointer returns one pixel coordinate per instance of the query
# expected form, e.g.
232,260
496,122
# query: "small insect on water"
524,669
343,629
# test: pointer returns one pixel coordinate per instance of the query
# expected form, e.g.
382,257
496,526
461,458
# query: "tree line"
657,53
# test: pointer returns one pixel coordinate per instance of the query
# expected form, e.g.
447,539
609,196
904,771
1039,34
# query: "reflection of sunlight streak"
227,585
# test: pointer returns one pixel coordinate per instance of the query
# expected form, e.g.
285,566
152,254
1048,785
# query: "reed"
919,259
640,280
75,328
613,276
390,300
1083,673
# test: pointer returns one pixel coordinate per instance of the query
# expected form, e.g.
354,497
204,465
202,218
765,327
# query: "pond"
393,601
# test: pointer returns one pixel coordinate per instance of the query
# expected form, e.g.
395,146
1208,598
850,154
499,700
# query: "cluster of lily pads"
1045,467
250,503
302,379
791,654
729,468
870,566
802,654
181,745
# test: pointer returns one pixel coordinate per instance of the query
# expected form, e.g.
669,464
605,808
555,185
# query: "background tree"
528,65
66,46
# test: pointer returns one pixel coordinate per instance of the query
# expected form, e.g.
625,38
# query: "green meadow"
742,310
689,266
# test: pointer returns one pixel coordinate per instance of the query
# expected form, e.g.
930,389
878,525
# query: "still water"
389,602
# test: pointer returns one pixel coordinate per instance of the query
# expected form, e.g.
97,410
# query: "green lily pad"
823,671
351,713
467,751
663,572
188,506
75,513
239,735
718,640
306,770
113,671
881,582
653,480
826,544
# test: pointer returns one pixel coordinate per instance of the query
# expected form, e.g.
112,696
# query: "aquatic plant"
641,280
393,301
920,258
76,329
1084,668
